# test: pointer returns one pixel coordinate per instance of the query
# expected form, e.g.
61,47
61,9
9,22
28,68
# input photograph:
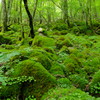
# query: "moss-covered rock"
43,41
57,70
43,57
44,80
9,91
5,40
78,81
64,83
66,94
63,41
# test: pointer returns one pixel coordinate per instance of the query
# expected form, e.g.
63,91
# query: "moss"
43,41
43,57
44,80
70,68
63,41
60,26
57,70
5,40
64,49
72,50
26,41
64,83
8,46
95,84
78,81
66,94
9,91
49,49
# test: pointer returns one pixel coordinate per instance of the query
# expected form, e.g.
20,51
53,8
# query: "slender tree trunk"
9,10
90,13
40,15
82,15
87,14
30,19
22,27
4,17
95,10
35,8
65,11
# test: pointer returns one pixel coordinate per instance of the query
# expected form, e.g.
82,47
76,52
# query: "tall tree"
30,19
4,18
21,22
65,12
9,10
35,8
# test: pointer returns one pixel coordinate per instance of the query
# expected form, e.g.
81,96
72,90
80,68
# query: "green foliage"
42,56
11,86
4,57
17,80
62,60
43,41
15,27
57,70
66,94
82,30
63,41
5,40
44,80
62,32
64,83
60,26
78,81
95,84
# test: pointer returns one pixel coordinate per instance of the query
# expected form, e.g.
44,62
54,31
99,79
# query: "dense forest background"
49,49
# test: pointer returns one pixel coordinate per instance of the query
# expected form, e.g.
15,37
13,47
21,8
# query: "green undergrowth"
67,94
66,62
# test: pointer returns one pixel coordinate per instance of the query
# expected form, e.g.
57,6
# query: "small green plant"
17,80
95,84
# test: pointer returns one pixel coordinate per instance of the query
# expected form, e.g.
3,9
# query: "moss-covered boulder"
10,91
43,57
57,70
67,94
44,80
78,81
63,40
5,40
43,41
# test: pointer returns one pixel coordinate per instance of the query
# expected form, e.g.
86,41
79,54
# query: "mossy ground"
64,61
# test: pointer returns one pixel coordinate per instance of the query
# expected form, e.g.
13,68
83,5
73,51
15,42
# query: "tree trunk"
30,19
4,17
22,27
83,12
65,12
9,10
35,8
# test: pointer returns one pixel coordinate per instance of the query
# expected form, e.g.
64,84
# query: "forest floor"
58,65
